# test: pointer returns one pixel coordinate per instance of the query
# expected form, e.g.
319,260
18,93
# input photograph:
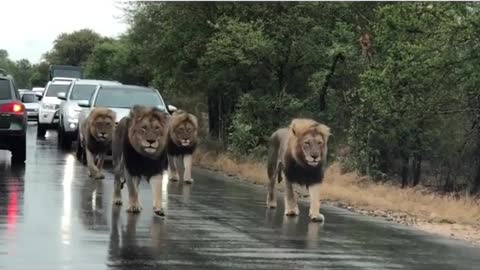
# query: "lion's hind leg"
117,189
273,175
291,205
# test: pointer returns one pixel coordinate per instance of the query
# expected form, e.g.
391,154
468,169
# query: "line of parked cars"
62,105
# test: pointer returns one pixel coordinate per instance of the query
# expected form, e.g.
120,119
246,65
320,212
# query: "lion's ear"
325,131
162,115
112,115
136,110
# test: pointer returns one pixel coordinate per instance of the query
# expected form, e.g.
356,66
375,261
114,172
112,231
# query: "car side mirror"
39,95
62,96
84,103
171,108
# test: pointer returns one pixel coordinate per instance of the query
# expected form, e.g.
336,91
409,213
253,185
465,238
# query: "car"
38,90
65,79
69,109
120,99
49,104
30,100
13,120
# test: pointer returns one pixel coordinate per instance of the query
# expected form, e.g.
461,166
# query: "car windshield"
127,98
29,98
5,92
82,92
54,89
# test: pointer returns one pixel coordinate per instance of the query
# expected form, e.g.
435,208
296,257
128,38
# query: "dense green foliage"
405,105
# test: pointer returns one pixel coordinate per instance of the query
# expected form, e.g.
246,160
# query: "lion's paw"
188,181
99,176
272,204
292,212
134,208
159,212
317,217
173,178
117,201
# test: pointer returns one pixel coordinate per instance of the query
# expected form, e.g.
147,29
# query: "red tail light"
13,108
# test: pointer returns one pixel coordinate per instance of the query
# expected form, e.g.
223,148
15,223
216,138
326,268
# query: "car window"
5,92
82,92
127,98
54,89
29,98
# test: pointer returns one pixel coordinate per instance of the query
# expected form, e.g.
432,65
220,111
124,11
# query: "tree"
73,48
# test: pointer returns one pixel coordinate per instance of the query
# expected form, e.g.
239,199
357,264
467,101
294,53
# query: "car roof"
94,82
127,86
61,82
63,79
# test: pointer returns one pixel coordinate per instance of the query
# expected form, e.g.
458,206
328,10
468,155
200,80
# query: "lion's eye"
306,143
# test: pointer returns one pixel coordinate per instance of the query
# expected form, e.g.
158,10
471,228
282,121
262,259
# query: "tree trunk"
326,83
404,172
213,116
416,168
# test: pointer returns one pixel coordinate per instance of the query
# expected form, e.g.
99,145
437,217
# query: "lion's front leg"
291,206
93,171
172,168
271,198
156,183
100,161
315,215
187,169
132,184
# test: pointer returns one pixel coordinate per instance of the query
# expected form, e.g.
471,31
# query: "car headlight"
73,112
47,106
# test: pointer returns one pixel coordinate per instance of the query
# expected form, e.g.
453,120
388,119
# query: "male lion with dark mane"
298,153
95,136
182,141
139,151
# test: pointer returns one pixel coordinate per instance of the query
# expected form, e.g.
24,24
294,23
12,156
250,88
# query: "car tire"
64,139
19,151
41,130
80,152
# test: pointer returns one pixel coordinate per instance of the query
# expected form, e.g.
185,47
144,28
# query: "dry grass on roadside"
356,191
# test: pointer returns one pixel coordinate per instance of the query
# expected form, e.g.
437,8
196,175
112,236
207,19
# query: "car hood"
121,112
51,100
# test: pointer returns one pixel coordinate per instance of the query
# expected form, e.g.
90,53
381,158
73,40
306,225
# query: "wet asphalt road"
52,216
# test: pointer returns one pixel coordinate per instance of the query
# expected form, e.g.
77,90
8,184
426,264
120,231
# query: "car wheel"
80,153
64,140
19,151
41,130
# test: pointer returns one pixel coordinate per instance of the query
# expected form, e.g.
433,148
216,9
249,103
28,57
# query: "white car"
49,104
30,100
120,99
69,109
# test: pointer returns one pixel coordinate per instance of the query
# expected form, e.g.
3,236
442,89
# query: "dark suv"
13,119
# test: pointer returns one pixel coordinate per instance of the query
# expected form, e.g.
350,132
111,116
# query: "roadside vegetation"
398,83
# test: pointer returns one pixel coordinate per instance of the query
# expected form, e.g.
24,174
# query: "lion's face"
311,141
184,133
148,130
312,146
102,124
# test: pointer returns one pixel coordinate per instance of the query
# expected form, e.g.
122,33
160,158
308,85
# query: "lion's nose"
315,156
150,141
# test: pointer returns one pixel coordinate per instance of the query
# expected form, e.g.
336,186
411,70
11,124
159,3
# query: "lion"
95,136
298,153
182,141
139,151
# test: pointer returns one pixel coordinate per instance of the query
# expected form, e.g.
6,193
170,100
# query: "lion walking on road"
298,153
182,141
139,151
95,137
